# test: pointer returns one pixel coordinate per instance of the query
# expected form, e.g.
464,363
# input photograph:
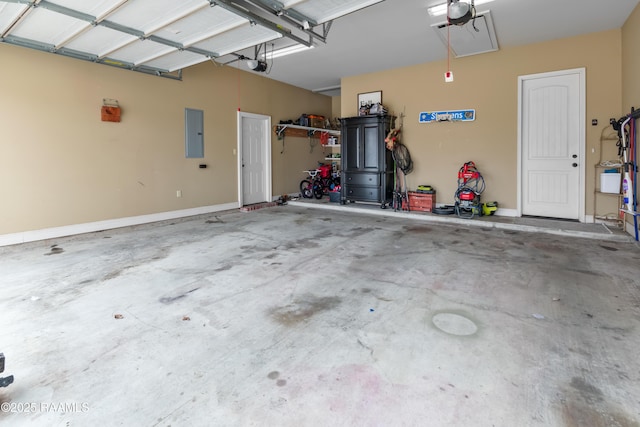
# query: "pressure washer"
470,187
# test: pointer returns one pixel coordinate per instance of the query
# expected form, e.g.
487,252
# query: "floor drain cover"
454,324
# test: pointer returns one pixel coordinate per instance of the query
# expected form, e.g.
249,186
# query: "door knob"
575,165
575,156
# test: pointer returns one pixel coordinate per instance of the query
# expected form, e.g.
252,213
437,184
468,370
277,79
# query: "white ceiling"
163,36
398,33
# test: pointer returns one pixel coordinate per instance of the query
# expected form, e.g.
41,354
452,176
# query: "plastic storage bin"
610,183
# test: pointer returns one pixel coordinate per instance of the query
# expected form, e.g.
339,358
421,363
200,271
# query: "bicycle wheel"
330,184
318,189
306,189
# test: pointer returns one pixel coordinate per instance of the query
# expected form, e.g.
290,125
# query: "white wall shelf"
281,129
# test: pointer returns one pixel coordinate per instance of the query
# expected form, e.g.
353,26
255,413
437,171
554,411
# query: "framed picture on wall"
369,98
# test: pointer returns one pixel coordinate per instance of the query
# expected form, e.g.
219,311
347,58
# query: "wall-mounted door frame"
581,72
267,188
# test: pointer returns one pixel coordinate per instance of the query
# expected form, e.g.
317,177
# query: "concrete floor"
294,316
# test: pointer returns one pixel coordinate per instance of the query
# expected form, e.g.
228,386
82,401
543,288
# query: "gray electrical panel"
193,133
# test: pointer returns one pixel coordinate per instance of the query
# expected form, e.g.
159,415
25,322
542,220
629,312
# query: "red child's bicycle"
320,182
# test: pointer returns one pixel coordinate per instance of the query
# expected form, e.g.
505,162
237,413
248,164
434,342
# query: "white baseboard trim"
507,212
90,227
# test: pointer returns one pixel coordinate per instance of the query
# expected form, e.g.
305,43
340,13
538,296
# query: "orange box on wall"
110,113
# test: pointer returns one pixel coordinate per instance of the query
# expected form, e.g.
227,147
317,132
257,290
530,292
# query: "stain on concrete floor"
303,309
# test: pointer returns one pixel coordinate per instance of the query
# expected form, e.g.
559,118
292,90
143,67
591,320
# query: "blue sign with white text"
447,116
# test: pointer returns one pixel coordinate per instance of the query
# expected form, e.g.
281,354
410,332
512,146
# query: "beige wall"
488,84
631,68
61,165
336,106
631,62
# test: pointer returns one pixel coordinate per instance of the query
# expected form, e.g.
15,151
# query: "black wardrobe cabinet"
367,166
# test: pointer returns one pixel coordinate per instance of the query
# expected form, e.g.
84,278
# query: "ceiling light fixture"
326,89
441,9
286,51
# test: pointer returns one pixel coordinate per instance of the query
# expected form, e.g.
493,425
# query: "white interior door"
552,144
254,158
